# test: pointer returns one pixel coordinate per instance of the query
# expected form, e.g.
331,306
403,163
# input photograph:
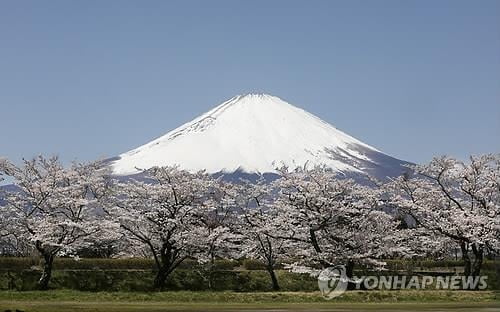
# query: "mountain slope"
256,133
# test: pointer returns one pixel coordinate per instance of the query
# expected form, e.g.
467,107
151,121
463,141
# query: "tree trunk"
211,271
274,279
314,240
160,278
210,279
166,263
478,259
349,272
465,257
43,282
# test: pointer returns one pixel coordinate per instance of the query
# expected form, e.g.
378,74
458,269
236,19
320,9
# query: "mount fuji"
255,134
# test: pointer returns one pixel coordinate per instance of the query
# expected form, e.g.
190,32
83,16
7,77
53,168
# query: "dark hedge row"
14,263
137,274
140,280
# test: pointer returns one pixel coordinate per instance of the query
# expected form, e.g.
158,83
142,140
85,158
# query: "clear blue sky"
89,79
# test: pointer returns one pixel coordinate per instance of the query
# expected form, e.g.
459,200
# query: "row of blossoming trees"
309,219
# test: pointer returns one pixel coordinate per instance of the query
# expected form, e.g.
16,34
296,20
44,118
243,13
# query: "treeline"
306,220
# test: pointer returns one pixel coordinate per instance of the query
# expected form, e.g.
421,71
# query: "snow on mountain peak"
254,133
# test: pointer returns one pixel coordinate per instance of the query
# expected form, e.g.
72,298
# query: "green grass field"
157,307
64,300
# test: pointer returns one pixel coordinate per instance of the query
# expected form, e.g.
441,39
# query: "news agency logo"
333,281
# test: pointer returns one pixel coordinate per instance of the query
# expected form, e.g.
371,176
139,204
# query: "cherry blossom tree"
215,232
162,213
336,221
6,245
54,208
12,244
457,201
256,224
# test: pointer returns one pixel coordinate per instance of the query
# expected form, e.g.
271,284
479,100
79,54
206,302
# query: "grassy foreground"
253,297
407,300
311,307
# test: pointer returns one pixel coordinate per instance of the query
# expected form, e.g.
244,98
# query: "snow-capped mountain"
255,133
